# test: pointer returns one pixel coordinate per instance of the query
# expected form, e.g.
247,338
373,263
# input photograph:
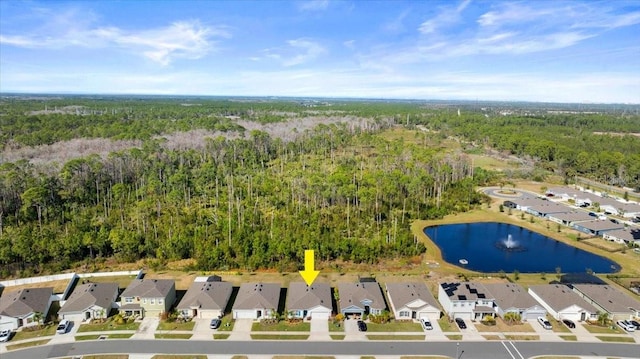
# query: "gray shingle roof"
148,288
510,295
402,294
355,293
302,296
87,295
206,295
608,297
25,301
560,297
258,295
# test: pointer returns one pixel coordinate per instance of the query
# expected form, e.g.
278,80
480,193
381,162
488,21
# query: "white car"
5,335
63,326
544,322
626,325
426,324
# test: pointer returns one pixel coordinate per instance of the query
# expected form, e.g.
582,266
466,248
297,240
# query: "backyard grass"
336,327
122,280
454,336
615,339
569,338
27,344
394,326
446,325
395,337
596,329
337,336
281,326
164,325
107,326
47,331
280,336
173,336
522,337
502,326
221,336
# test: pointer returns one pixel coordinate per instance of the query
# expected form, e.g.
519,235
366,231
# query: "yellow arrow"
309,274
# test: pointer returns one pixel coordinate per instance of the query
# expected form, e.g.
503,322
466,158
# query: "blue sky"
559,51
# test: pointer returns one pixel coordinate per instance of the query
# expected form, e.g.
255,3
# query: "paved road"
466,350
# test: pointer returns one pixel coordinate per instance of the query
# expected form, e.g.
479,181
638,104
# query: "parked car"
215,323
460,323
5,335
426,324
569,323
625,325
635,324
63,326
593,214
544,322
362,326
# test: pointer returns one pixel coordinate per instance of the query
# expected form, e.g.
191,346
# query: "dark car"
569,323
635,323
362,326
215,323
461,323
593,214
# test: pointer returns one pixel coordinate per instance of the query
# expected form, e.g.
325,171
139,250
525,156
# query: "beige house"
206,298
18,309
256,301
363,297
305,301
89,301
145,297
608,299
412,301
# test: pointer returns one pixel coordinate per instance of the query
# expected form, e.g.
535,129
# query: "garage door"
320,315
243,314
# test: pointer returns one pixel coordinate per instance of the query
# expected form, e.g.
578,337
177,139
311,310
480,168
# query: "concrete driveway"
241,329
201,330
147,329
67,337
319,329
351,330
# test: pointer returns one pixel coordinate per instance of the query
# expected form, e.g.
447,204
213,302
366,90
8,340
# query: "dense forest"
263,180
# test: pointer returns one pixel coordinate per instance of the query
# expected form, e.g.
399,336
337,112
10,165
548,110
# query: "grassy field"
58,286
122,280
282,326
164,325
394,327
395,337
27,344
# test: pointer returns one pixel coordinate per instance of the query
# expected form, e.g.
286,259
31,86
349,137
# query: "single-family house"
624,236
609,300
363,297
570,218
513,298
144,297
597,228
563,303
580,198
309,301
412,301
90,301
630,210
257,301
466,300
207,297
22,307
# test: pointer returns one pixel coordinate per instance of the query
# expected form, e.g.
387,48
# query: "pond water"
491,247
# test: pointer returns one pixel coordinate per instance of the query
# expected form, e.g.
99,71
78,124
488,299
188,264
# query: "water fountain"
510,245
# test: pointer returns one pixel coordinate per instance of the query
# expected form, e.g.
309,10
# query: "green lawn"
446,325
27,344
336,327
615,339
172,336
107,326
47,331
280,336
454,336
394,326
190,356
337,336
395,337
221,336
596,329
569,338
281,326
227,323
522,337
164,325
109,336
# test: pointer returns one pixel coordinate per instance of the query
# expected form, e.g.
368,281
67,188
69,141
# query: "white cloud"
446,16
297,52
313,5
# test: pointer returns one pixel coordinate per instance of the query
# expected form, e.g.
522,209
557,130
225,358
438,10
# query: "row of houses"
609,205
210,297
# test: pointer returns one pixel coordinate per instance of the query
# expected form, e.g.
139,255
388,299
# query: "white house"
562,303
412,301
466,300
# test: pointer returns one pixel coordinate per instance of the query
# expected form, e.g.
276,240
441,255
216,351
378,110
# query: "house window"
128,300
159,301
404,314
455,305
152,301
144,300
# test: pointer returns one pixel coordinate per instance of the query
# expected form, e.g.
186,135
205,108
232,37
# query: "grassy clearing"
394,327
27,344
596,329
58,286
615,339
107,326
164,325
395,337
122,280
522,337
279,336
23,334
282,326
569,338
454,336
172,336
337,336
